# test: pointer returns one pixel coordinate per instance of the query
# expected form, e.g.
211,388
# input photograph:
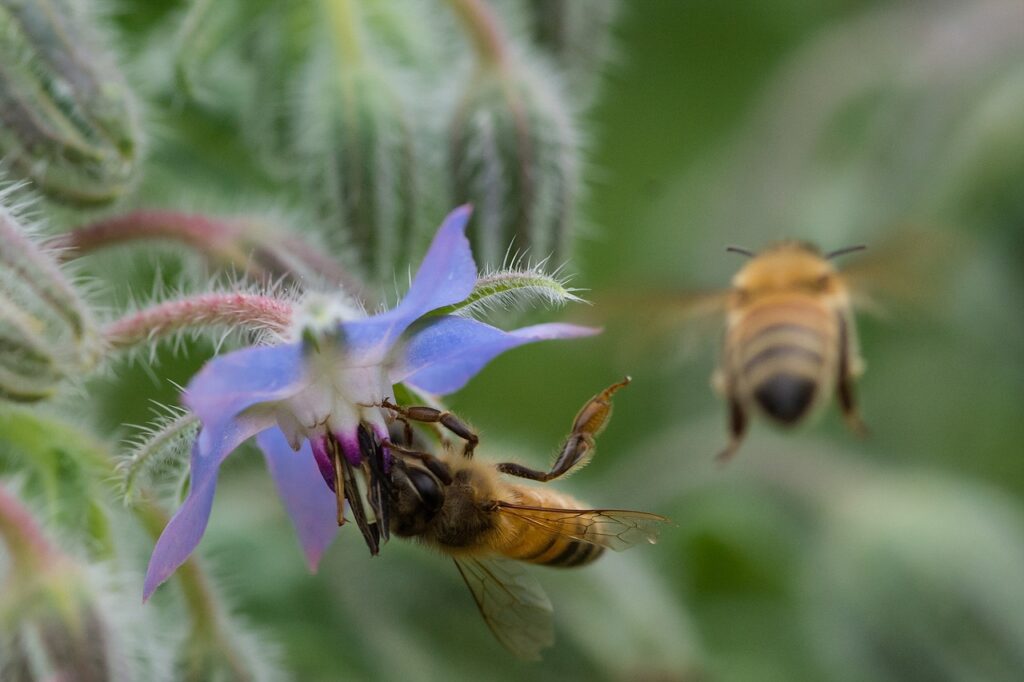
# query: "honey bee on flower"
321,392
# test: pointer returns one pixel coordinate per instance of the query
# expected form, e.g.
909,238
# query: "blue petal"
447,275
229,384
188,524
309,502
448,351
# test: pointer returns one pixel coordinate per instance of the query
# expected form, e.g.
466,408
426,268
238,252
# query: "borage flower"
315,403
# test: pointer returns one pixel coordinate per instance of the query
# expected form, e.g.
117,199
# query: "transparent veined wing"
616,529
512,602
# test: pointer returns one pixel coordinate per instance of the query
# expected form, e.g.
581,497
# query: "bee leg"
579,446
737,430
844,388
429,415
407,435
848,404
436,466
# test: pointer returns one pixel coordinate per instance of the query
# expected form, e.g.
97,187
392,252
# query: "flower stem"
482,26
209,235
29,548
237,309
200,600
234,242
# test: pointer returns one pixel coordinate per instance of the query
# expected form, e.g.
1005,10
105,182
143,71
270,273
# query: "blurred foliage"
814,556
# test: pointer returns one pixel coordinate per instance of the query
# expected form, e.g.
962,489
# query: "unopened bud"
45,327
54,623
578,36
514,157
67,117
919,579
53,632
357,141
28,369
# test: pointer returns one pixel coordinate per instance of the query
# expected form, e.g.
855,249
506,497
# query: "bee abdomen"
782,364
786,397
566,553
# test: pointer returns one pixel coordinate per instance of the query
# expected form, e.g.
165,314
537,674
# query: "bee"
489,525
790,340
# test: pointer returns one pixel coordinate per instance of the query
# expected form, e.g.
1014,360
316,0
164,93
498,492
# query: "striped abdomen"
782,355
546,540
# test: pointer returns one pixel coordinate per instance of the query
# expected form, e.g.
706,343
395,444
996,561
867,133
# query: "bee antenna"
740,250
842,252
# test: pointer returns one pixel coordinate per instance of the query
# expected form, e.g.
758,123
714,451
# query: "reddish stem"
29,548
482,26
220,238
199,231
246,310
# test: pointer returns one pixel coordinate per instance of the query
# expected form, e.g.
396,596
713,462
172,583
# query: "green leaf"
63,469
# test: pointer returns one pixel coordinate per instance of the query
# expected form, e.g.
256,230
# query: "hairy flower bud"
513,155
45,329
67,118
54,614
578,36
919,579
356,139
54,632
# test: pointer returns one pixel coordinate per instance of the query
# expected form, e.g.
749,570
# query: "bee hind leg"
430,415
849,364
737,430
848,404
579,446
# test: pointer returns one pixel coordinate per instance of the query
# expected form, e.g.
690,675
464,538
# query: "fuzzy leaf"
512,288
65,471
160,448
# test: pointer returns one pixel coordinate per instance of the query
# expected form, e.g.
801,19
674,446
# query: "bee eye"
822,283
742,295
427,488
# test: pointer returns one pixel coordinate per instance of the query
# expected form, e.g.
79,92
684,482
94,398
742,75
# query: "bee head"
416,497
790,266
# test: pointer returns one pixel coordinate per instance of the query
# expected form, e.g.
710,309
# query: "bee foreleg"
436,466
430,415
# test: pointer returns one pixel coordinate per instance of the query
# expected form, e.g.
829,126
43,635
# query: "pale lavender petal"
323,460
447,352
446,276
310,504
188,524
231,383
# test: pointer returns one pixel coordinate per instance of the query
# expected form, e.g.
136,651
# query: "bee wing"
911,267
675,323
513,604
616,529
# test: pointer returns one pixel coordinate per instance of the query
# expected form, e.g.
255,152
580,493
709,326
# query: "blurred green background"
814,555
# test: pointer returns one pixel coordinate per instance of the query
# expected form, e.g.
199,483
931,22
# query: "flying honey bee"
790,340
488,525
